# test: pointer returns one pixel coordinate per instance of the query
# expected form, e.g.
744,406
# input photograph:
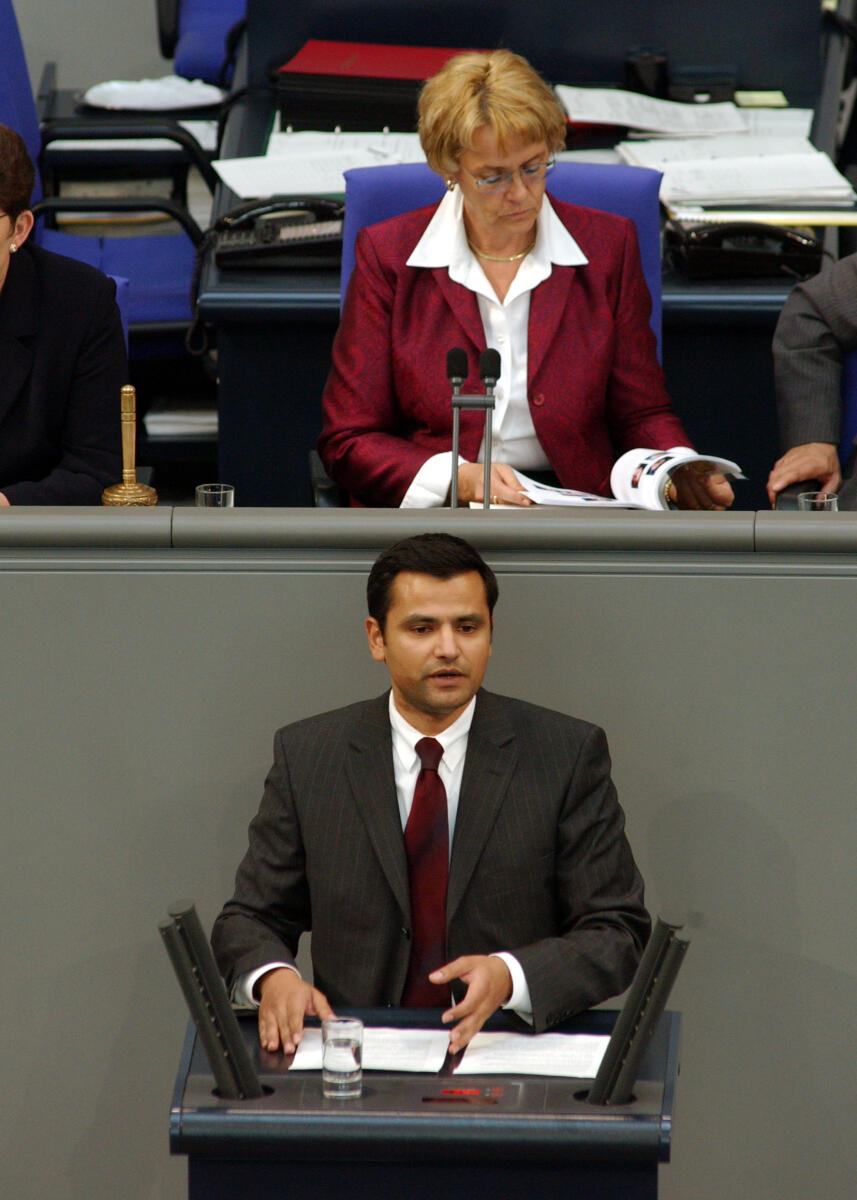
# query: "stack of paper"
770,165
612,106
661,154
309,163
717,156
806,179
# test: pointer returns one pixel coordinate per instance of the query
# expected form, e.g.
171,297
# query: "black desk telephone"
740,249
280,232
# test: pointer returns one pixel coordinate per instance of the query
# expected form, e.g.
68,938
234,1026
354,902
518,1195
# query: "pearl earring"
13,247
450,185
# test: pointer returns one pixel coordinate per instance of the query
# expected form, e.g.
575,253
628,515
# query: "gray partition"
146,663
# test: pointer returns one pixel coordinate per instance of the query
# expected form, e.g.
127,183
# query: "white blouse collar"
444,242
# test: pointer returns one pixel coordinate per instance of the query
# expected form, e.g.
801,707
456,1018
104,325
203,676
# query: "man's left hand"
697,486
489,984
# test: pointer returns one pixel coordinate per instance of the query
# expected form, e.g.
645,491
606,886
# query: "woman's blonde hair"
498,89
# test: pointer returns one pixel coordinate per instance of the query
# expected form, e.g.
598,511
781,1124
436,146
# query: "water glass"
215,495
818,502
342,1057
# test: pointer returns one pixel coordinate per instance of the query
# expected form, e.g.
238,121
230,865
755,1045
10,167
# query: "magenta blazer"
595,387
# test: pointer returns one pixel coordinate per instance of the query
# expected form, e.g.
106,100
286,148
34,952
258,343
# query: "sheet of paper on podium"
418,1050
570,1055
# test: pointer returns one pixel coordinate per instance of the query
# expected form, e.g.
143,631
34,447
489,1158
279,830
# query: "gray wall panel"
91,40
139,708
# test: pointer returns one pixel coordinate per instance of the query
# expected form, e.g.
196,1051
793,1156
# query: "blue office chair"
158,268
198,35
375,194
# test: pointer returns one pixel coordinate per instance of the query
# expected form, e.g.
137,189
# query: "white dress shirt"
406,768
505,324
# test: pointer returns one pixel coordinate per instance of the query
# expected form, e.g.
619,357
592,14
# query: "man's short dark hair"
439,554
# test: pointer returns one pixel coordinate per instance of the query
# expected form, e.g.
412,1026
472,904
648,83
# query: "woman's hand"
505,488
695,485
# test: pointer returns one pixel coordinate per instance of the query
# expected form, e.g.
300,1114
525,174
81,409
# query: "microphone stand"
489,372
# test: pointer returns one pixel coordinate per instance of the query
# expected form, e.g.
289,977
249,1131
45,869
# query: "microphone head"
489,367
456,365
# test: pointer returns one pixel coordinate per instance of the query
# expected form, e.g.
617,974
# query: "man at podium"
448,848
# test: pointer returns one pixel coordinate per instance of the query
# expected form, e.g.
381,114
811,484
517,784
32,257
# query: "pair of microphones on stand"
456,373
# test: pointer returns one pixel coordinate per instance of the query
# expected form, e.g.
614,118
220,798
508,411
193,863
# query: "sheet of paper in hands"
543,493
572,1055
640,477
422,1050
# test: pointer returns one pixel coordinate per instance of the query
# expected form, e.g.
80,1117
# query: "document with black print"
418,1050
571,1055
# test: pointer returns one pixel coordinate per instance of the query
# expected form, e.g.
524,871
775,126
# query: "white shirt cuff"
519,1001
430,486
242,989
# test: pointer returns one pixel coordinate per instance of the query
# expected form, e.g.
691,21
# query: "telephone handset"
280,232
741,249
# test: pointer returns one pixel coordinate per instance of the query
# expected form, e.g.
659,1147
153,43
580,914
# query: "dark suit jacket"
540,865
595,387
62,365
817,327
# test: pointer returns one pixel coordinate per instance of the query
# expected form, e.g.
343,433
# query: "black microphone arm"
489,373
636,1024
206,998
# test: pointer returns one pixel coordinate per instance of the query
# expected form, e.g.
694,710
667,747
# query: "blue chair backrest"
202,28
164,293
17,107
848,431
376,193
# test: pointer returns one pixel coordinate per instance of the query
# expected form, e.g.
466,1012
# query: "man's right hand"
812,460
284,1000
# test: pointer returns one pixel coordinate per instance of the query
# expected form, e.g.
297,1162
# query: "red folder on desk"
355,85
368,60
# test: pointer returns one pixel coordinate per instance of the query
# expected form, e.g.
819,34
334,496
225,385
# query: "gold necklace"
501,257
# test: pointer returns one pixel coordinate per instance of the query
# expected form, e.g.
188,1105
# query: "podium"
418,1137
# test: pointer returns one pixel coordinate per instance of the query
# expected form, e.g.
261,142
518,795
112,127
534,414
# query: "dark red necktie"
427,848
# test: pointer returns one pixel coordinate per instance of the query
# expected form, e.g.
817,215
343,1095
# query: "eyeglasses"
531,173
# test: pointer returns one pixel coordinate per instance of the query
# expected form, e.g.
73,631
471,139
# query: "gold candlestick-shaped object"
129,491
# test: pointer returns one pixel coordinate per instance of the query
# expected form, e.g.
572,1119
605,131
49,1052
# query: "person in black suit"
62,359
544,908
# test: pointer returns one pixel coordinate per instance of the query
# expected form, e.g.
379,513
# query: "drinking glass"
215,495
342,1057
818,502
